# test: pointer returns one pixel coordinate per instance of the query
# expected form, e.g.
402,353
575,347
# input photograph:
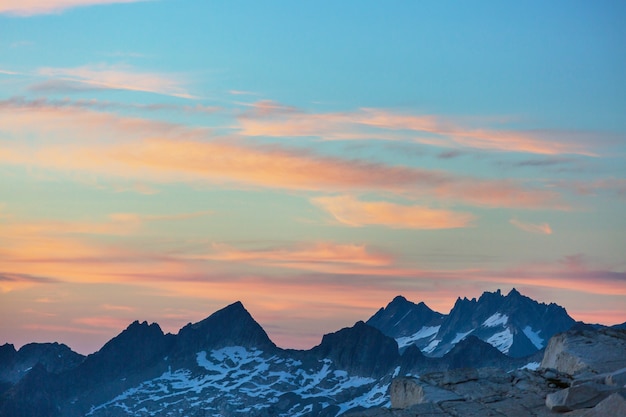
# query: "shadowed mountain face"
230,326
402,318
514,324
227,365
362,349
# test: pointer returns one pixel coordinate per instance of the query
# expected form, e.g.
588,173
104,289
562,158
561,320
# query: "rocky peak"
53,357
134,337
513,293
473,350
7,354
404,318
361,349
137,347
230,326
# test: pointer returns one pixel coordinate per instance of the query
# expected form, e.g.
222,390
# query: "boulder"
586,351
613,405
407,391
617,378
578,396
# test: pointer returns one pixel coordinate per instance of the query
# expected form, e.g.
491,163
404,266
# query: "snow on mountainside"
248,382
516,325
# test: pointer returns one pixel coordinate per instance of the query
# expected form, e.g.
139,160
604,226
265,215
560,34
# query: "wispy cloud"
34,7
352,212
541,228
319,256
147,150
113,307
99,322
7,72
10,281
114,77
276,120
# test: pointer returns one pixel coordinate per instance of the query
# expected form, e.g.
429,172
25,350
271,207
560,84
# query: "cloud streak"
352,212
146,150
542,228
34,7
319,256
113,77
276,120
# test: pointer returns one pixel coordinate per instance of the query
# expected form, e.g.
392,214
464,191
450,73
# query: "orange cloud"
120,77
543,228
18,281
103,322
369,123
352,212
321,256
34,7
71,139
80,251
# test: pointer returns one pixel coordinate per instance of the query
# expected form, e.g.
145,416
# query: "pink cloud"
120,77
368,123
327,257
34,7
352,212
543,228
107,322
70,139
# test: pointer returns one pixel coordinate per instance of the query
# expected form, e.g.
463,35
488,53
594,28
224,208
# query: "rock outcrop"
587,351
468,392
583,375
579,396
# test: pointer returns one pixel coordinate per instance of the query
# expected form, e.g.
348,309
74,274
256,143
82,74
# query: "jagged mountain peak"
513,293
233,325
361,349
471,350
136,333
515,324
403,318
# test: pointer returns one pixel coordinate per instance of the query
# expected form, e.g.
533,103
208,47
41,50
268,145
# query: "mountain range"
226,365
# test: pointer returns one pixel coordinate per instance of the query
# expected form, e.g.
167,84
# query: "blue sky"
161,159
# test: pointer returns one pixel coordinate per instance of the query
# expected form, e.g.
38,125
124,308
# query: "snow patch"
424,332
533,336
431,346
502,340
531,366
460,336
403,317
248,379
496,320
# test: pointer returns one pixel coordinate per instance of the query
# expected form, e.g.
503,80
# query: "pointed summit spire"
231,326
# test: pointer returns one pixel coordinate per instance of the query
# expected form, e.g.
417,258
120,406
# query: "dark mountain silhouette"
227,363
515,324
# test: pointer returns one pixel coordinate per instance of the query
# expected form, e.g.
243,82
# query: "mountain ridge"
515,324
230,358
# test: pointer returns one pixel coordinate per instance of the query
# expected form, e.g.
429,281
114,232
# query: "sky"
162,159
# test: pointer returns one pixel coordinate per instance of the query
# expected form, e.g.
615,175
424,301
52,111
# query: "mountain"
223,365
227,365
230,326
514,324
361,349
52,357
407,322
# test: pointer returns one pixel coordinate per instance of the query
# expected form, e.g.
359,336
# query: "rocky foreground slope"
583,374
